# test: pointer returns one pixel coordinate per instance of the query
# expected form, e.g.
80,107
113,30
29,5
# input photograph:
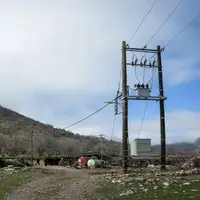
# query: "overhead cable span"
88,116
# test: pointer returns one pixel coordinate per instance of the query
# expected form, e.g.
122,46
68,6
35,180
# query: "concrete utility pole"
162,111
124,111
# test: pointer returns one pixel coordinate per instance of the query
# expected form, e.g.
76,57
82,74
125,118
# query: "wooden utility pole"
32,147
124,110
143,93
101,135
162,111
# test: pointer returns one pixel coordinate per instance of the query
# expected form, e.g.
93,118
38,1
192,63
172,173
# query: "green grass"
173,191
10,180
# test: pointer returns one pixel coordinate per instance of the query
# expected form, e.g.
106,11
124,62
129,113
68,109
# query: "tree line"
50,145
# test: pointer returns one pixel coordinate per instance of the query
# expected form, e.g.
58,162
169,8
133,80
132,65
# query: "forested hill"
15,131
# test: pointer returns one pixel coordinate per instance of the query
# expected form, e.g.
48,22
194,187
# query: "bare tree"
4,143
69,145
197,142
39,145
18,145
97,148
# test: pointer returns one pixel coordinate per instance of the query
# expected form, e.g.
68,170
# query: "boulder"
193,162
15,163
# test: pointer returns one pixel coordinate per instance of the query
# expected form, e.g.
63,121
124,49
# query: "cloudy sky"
60,60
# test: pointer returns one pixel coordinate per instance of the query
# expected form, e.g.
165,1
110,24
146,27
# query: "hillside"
185,148
15,134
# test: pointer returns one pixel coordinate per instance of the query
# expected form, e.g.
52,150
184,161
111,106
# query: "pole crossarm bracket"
139,65
143,50
109,102
151,98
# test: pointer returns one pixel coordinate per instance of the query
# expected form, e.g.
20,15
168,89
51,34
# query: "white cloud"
71,45
181,125
181,70
60,60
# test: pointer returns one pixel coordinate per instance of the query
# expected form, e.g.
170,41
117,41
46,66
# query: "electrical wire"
180,32
113,127
112,132
120,74
153,73
146,103
88,116
144,75
134,56
144,56
97,110
142,21
183,29
114,118
136,75
179,3
116,139
145,109
113,124
152,78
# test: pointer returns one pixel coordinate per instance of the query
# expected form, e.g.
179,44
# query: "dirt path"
56,183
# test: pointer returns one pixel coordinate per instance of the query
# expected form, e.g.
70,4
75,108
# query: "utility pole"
142,92
162,110
32,147
124,111
101,146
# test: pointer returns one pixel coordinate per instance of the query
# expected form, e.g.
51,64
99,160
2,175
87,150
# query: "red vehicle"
82,162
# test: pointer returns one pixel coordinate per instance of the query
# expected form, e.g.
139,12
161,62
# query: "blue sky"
60,60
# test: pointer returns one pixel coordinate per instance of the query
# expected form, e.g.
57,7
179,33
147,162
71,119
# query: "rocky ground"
55,183
152,184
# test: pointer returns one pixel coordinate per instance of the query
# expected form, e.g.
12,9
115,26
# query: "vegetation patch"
161,190
12,179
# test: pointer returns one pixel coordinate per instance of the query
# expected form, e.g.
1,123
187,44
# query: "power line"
142,21
144,75
152,78
120,74
116,139
88,116
180,32
97,110
179,3
145,109
136,75
183,29
113,126
146,105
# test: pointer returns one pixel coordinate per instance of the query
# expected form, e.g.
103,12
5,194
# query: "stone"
194,190
166,184
186,183
155,187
